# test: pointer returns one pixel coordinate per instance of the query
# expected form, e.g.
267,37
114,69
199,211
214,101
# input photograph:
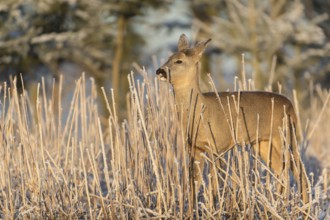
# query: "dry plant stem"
299,129
241,178
97,181
68,129
159,185
270,141
82,161
41,141
59,116
26,127
222,200
82,109
105,170
185,170
22,179
107,175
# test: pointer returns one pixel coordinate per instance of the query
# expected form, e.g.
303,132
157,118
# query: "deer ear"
183,42
200,47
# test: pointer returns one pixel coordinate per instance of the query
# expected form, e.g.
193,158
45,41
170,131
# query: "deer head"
181,66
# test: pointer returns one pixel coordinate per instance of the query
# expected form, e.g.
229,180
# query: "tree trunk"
116,63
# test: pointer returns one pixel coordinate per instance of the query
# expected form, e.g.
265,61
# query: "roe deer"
208,126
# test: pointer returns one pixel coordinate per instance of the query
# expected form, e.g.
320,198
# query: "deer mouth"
162,75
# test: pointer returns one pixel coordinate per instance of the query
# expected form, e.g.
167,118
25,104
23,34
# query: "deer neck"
187,89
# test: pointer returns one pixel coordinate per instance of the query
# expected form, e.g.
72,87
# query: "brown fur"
219,121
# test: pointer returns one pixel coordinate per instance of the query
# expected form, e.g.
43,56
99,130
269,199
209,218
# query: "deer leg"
214,180
275,157
300,175
271,154
196,175
198,168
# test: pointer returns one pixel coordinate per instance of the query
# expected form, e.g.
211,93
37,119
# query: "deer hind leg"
282,161
300,175
273,158
272,155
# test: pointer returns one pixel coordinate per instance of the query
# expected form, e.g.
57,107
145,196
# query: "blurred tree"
46,33
204,11
264,29
95,35
128,43
313,9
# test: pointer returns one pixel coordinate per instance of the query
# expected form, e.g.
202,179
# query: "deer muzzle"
162,74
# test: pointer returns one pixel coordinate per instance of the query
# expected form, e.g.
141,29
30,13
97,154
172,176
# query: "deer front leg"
196,169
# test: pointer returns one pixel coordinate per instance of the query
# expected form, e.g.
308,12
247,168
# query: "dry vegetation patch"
83,166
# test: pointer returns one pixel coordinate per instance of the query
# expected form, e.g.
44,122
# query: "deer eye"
178,61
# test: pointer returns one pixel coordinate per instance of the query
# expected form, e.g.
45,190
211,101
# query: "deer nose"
161,73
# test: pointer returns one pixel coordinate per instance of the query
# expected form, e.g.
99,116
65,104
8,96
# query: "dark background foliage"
103,38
